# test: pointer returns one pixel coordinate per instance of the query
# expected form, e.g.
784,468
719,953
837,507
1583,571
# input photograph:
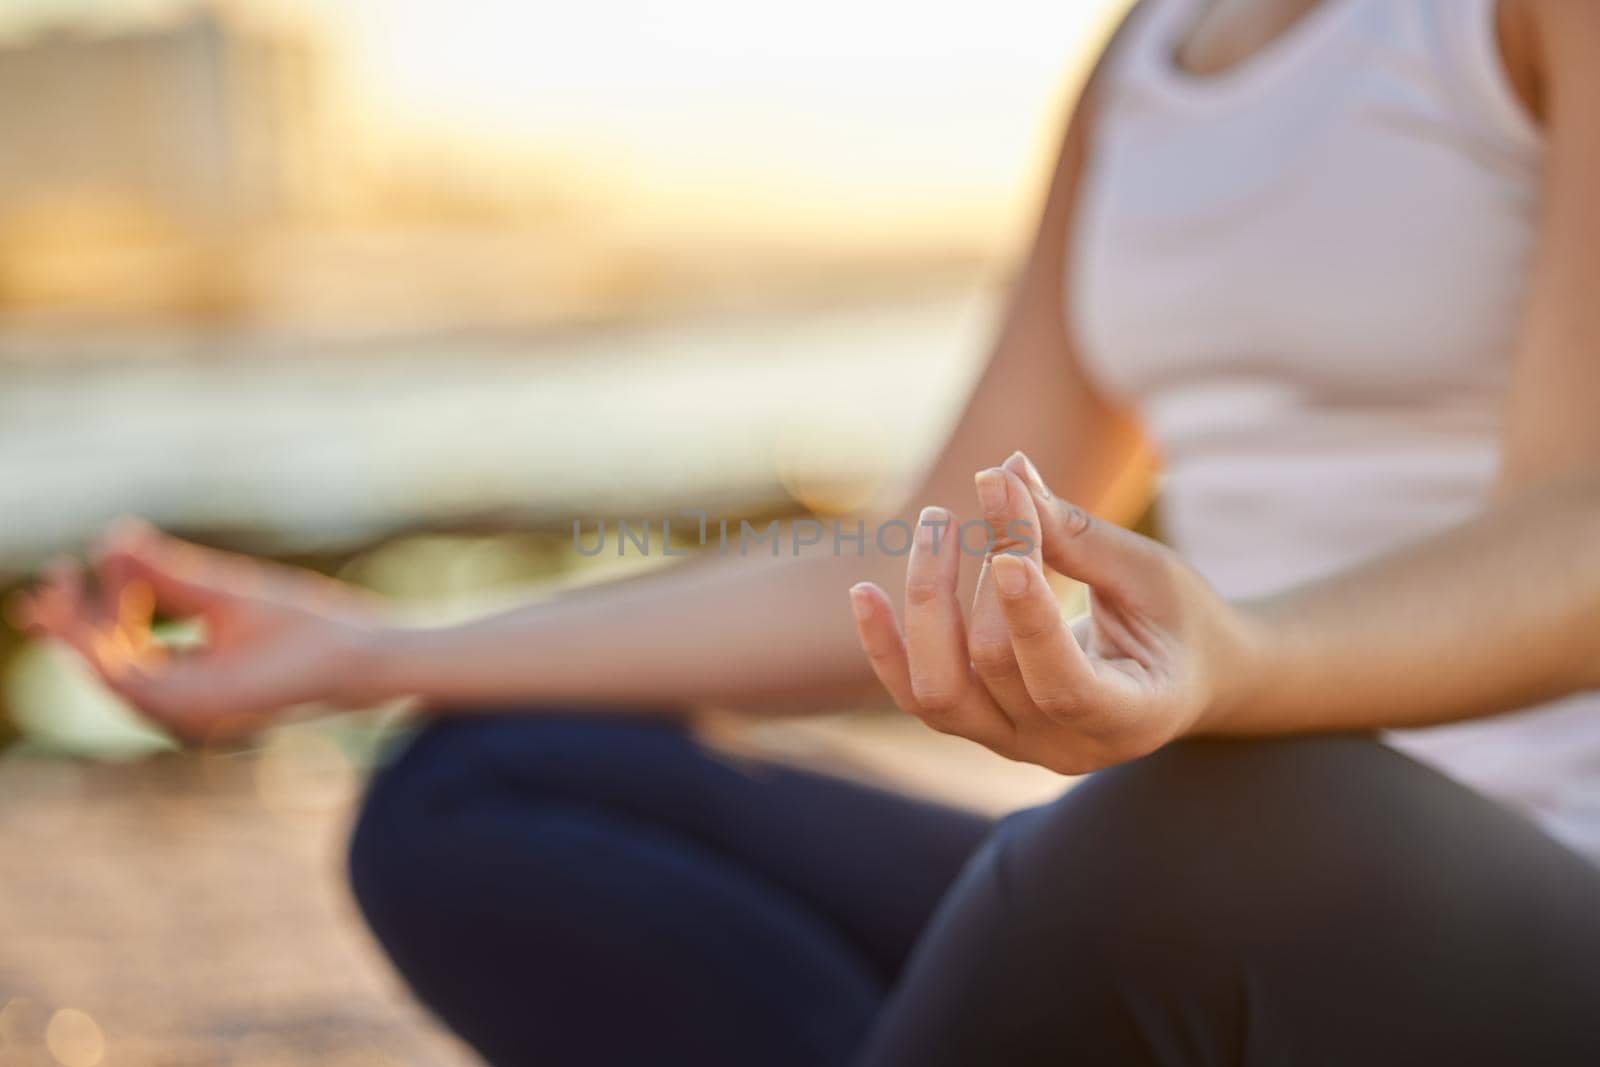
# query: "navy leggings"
590,889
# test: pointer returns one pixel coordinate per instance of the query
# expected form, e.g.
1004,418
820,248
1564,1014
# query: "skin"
1161,656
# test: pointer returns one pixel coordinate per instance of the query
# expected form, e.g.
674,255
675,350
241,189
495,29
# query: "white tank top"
1307,273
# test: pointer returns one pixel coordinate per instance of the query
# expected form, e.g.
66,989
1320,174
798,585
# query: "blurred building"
200,119
179,134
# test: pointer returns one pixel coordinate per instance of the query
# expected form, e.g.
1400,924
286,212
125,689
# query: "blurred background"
397,289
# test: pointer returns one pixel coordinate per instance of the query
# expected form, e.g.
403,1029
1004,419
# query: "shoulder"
1119,26
1107,46
1097,68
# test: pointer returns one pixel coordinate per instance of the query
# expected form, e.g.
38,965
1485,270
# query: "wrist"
1248,654
381,662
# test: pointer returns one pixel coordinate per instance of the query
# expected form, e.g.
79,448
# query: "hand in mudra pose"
1159,653
274,636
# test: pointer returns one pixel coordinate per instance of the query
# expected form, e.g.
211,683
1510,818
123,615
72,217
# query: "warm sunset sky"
890,109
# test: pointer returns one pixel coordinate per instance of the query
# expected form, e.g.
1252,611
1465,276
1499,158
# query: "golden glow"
303,772
834,468
74,1039
889,114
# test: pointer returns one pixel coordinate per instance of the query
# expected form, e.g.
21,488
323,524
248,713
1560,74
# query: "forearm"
745,630
1500,613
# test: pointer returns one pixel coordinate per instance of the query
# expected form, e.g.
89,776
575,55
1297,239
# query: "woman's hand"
1158,654
274,636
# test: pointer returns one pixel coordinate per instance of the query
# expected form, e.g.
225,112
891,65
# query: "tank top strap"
1465,39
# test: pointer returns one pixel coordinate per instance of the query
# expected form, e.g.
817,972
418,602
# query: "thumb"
1101,554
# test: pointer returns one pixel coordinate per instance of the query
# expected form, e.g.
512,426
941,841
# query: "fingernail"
1010,574
930,526
991,490
1035,482
860,600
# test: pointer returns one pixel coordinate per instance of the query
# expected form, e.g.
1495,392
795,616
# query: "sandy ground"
190,911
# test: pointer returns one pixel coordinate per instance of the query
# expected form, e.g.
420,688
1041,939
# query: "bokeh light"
74,1038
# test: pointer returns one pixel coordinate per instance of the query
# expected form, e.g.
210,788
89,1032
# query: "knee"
1125,913
1207,841
403,811
406,849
